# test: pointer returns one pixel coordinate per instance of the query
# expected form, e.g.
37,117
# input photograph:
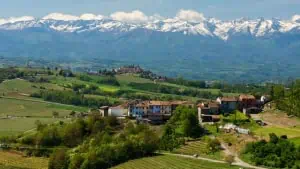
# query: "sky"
221,9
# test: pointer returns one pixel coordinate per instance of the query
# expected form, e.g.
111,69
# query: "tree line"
10,73
160,88
72,98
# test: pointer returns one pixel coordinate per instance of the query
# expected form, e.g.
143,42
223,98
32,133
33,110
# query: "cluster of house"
159,111
248,104
146,111
129,69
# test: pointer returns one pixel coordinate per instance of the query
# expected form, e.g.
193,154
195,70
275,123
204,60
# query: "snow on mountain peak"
188,22
16,19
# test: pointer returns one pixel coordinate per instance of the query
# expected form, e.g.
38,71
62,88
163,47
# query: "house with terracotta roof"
159,107
227,104
209,112
175,104
154,108
137,109
247,101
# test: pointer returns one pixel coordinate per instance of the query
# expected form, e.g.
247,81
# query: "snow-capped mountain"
188,44
209,27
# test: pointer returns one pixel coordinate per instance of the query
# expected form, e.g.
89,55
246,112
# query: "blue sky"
222,9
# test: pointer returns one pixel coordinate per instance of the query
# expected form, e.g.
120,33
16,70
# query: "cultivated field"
279,123
14,160
19,115
171,162
199,148
31,107
19,87
13,126
279,131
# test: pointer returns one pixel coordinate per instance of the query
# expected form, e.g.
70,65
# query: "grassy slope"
36,110
15,107
171,162
21,105
9,160
278,123
124,80
24,87
62,81
290,132
19,125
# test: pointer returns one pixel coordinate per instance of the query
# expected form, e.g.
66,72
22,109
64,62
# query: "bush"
214,145
59,160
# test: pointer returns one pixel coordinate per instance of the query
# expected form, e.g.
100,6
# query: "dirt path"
237,160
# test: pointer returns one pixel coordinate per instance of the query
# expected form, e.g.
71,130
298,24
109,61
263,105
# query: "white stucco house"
118,111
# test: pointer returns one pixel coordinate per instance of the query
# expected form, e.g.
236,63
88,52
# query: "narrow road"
238,161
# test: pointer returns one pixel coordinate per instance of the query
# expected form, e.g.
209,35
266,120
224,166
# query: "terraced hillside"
172,162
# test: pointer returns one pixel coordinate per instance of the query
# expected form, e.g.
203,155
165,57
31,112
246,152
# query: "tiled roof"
159,103
180,102
245,96
142,104
229,99
209,105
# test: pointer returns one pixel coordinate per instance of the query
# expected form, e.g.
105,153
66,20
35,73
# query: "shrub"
59,160
214,145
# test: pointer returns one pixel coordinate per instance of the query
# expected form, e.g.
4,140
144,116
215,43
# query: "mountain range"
195,47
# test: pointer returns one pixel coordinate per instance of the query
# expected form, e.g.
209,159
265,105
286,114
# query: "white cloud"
61,17
89,16
131,17
190,15
296,18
